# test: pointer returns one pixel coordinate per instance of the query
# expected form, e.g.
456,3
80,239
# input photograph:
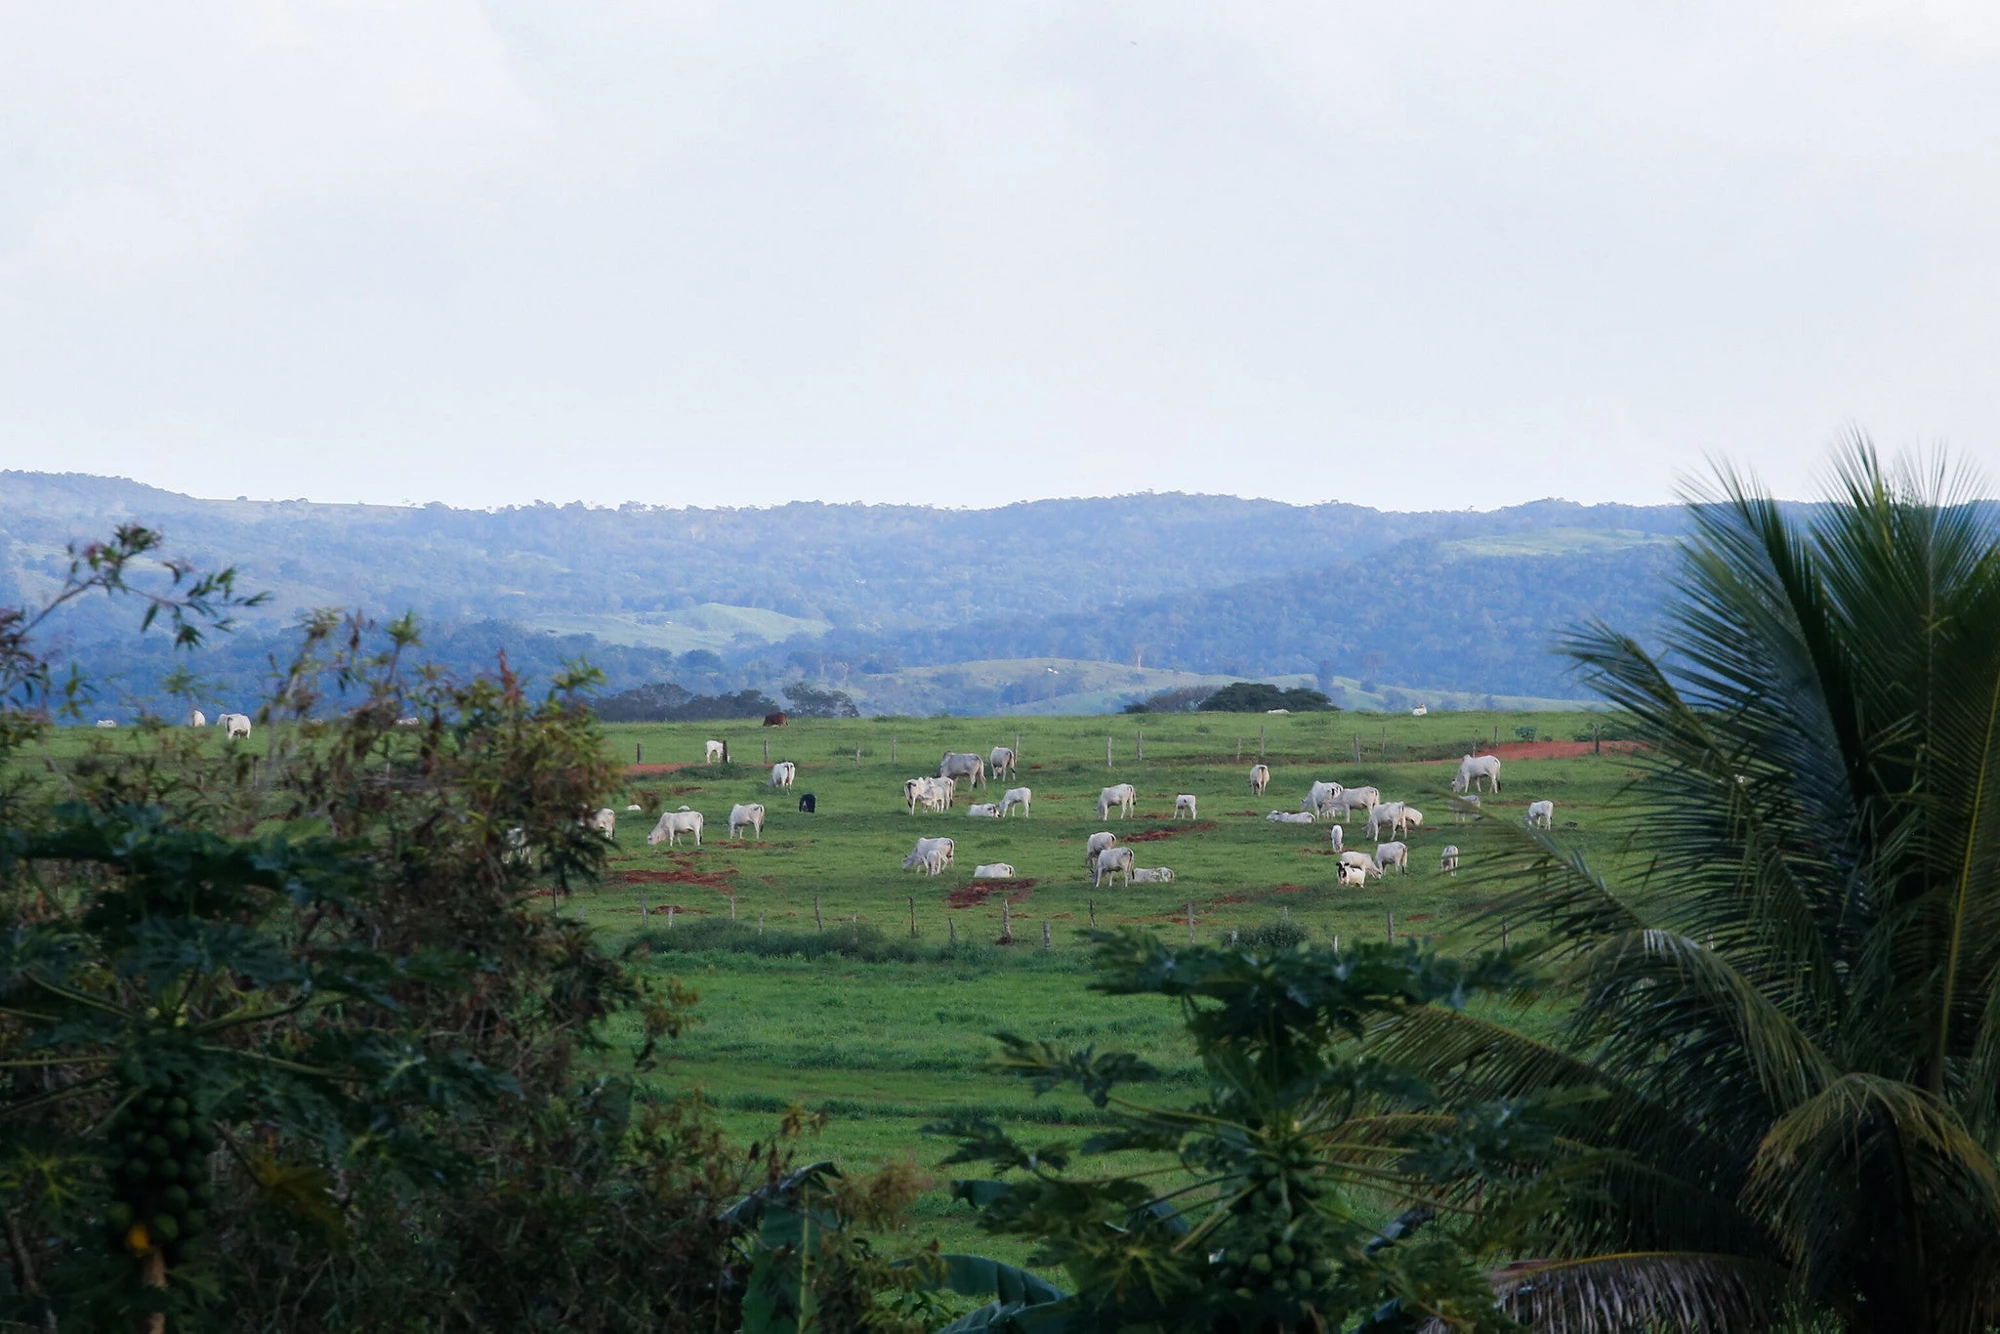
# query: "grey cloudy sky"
1413,255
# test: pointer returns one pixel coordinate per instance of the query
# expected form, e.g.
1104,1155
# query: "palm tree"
1788,1012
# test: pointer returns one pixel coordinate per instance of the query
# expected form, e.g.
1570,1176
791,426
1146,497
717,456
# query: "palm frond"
1614,1294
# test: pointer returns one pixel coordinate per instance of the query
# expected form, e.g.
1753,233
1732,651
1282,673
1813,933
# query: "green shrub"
1262,697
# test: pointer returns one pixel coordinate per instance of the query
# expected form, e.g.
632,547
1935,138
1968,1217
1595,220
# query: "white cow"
1122,795
1260,778
956,765
197,718
1098,842
1420,710
1393,854
1185,804
1466,807
605,822
750,813
933,794
783,774
634,806
985,810
1385,814
1412,818
1151,875
713,751
1001,762
1542,813
106,722
1448,859
933,854
1291,817
1353,877
1110,862
1473,768
1354,799
1362,860
1339,836
1017,796
235,726
993,871
675,823
1319,795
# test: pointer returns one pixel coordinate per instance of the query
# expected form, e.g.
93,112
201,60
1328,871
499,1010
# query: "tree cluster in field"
666,702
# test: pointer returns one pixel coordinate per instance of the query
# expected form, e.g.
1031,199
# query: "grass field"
888,1045
893,1032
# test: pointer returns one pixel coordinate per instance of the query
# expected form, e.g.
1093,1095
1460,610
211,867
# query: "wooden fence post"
1093,914
767,750
1239,750
1006,922
892,750
1107,752
732,907
638,752
913,917
1190,921
1336,942
1045,935
1357,747
819,923
1391,914
951,926
670,917
760,924
1142,743
1260,741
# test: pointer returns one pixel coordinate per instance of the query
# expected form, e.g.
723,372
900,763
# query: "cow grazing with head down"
1260,778
196,718
1393,854
932,854
675,823
1023,797
1001,762
1474,768
1122,795
956,765
1110,862
1542,813
1097,843
774,720
808,804
1448,859
783,774
235,726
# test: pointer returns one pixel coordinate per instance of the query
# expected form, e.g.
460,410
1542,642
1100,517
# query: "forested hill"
1208,583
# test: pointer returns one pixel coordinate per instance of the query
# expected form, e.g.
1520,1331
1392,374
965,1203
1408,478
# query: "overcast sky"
1410,255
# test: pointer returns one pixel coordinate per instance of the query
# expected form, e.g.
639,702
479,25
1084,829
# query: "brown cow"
774,720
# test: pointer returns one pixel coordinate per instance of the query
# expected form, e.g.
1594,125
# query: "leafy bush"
666,702
1181,699
1273,936
1525,733
1262,697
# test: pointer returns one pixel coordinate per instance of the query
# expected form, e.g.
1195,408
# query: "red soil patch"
1230,898
976,893
1548,750
1168,831
1289,889
640,769
708,880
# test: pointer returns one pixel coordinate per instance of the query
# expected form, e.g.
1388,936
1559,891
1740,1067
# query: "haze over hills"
874,598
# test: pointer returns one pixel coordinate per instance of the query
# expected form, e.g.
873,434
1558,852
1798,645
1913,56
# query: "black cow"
807,805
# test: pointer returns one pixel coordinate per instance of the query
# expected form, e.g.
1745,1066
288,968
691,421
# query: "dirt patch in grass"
706,879
641,770
1289,888
976,893
1159,832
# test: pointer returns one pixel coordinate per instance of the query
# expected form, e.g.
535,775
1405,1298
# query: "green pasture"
896,1036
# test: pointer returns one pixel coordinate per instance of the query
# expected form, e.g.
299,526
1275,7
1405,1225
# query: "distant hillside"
1460,601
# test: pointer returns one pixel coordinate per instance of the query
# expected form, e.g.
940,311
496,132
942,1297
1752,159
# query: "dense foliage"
665,702
1785,1013
1259,697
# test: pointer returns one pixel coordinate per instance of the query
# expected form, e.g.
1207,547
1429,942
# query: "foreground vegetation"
363,1026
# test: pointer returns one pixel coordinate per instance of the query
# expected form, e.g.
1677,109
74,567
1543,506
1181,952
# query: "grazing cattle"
1412,818
933,794
1420,711
1393,854
1542,813
993,871
1339,836
235,726
1353,877
1319,795
1110,862
985,810
1472,769
1151,875
774,720
1122,795
1385,813
675,823
1184,804
955,766
196,718
713,752
1354,799
808,804
1098,842
750,813
1291,817
1466,807
783,774
1017,796
1001,762
1260,778
1448,859
1362,860
933,854
106,722
633,807
605,822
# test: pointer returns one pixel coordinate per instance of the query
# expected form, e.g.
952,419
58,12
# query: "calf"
933,854
1542,813
1001,762
1362,860
713,752
1291,817
1393,854
1110,862
1448,860
993,871
1184,804
1097,843
1260,778
985,810
1339,836
1353,877
1151,875
1017,796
